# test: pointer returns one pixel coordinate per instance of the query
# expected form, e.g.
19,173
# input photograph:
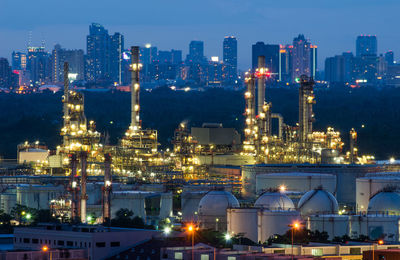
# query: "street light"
295,225
45,249
167,230
228,237
191,229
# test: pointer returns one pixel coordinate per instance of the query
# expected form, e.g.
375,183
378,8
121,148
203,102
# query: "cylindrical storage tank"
330,156
212,209
274,201
8,201
190,204
275,222
366,187
249,181
243,221
334,225
94,192
296,181
132,200
166,205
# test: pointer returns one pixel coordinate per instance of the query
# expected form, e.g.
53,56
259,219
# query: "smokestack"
83,186
107,189
73,189
135,88
261,85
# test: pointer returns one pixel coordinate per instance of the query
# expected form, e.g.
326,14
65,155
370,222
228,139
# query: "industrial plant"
209,177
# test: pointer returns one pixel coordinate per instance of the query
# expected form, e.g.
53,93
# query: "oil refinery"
210,157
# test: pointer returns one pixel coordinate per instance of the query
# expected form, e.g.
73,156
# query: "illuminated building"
104,55
38,65
230,59
366,45
304,58
75,59
271,54
7,78
389,58
18,61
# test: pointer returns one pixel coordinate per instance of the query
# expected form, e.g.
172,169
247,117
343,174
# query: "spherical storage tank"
385,202
296,181
212,209
274,201
366,187
318,201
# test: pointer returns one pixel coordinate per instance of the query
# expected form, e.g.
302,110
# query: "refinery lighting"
282,188
167,230
228,237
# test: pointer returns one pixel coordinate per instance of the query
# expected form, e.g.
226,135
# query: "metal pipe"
280,123
135,88
84,196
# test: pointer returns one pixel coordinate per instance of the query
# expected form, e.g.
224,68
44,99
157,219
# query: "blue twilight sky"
331,24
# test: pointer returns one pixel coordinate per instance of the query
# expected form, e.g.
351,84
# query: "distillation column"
250,113
66,98
135,88
353,149
306,102
107,189
84,196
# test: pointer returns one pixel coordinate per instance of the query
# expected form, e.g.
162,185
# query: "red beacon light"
262,73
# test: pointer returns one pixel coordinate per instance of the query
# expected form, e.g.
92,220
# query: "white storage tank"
212,209
334,225
274,201
386,202
37,196
275,222
243,221
8,201
366,187
190,204
296,181
318,201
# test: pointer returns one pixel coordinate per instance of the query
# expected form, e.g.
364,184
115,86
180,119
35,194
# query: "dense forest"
39,116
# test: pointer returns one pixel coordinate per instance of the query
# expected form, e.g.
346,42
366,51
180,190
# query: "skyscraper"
38,65
116,52
18,61
196,52
271,54
230,59
6,76
366,45
304,58
76,61
104,55
389,57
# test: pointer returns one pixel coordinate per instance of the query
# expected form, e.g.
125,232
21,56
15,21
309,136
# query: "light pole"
295,225
190,229
46,249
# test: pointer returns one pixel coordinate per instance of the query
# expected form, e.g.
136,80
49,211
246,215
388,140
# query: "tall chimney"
66,97
261,84
83,185
135,88
107,189
73,189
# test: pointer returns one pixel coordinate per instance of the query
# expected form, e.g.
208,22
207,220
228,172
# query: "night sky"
333,25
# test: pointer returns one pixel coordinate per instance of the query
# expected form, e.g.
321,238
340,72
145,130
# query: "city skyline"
176,30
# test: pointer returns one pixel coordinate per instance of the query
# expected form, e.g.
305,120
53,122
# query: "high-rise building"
271,54
389,57
6,75
116,52
214,72
18,61
285,67
38,65
304,58
104,55
230,59
196,52
176,56
366,45
335,69
76,61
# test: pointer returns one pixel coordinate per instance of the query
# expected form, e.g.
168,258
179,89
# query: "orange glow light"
190,228
45,248
380,242
296,225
